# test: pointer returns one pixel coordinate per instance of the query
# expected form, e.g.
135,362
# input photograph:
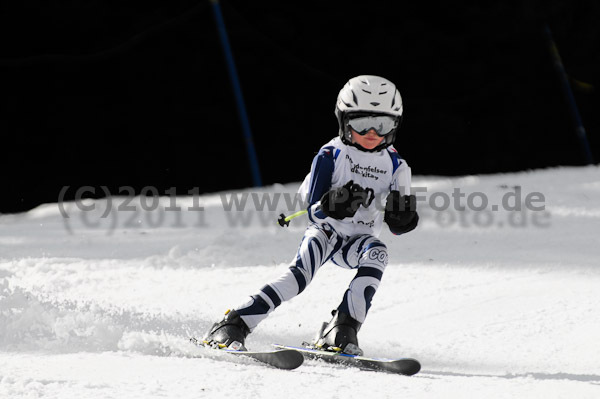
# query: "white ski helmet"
368,95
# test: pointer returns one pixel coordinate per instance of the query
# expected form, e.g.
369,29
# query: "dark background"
136,93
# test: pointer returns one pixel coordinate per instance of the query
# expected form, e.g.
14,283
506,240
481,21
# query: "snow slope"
495,304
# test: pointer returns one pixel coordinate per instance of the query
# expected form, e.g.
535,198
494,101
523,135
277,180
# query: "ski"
283,358
404,366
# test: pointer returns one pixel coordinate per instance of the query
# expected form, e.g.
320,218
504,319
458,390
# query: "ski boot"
231,332
339,335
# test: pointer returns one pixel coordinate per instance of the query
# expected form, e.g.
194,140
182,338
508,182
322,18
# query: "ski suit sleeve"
402,184
321,173
402,178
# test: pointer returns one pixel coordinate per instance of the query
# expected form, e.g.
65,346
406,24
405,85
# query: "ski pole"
285,220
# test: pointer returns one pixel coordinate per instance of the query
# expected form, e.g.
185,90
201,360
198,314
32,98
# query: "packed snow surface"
494,302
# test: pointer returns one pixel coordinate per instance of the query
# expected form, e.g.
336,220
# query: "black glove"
343,202
401,212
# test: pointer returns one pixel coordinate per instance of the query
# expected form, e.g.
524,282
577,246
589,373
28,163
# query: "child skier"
347,174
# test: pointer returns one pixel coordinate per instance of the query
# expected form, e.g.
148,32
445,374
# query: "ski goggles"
382,124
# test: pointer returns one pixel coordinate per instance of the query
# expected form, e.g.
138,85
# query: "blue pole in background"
560,69
237,90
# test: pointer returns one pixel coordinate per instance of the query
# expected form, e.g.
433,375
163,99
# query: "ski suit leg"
319,243
369,255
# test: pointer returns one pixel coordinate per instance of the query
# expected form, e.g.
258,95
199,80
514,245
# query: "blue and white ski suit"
350,243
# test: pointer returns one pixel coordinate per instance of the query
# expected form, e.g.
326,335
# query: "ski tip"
290,359
411,367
